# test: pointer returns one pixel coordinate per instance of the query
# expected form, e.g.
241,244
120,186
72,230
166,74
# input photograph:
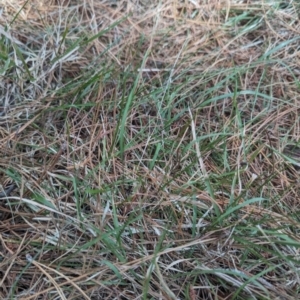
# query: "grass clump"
153,147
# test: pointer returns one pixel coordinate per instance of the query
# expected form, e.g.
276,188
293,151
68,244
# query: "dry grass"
146,142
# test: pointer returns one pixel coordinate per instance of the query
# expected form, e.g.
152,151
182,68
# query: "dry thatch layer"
145,140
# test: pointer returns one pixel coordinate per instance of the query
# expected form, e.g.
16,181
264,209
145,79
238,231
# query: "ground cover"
149,149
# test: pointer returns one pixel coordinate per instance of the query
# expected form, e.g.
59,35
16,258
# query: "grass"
151,146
